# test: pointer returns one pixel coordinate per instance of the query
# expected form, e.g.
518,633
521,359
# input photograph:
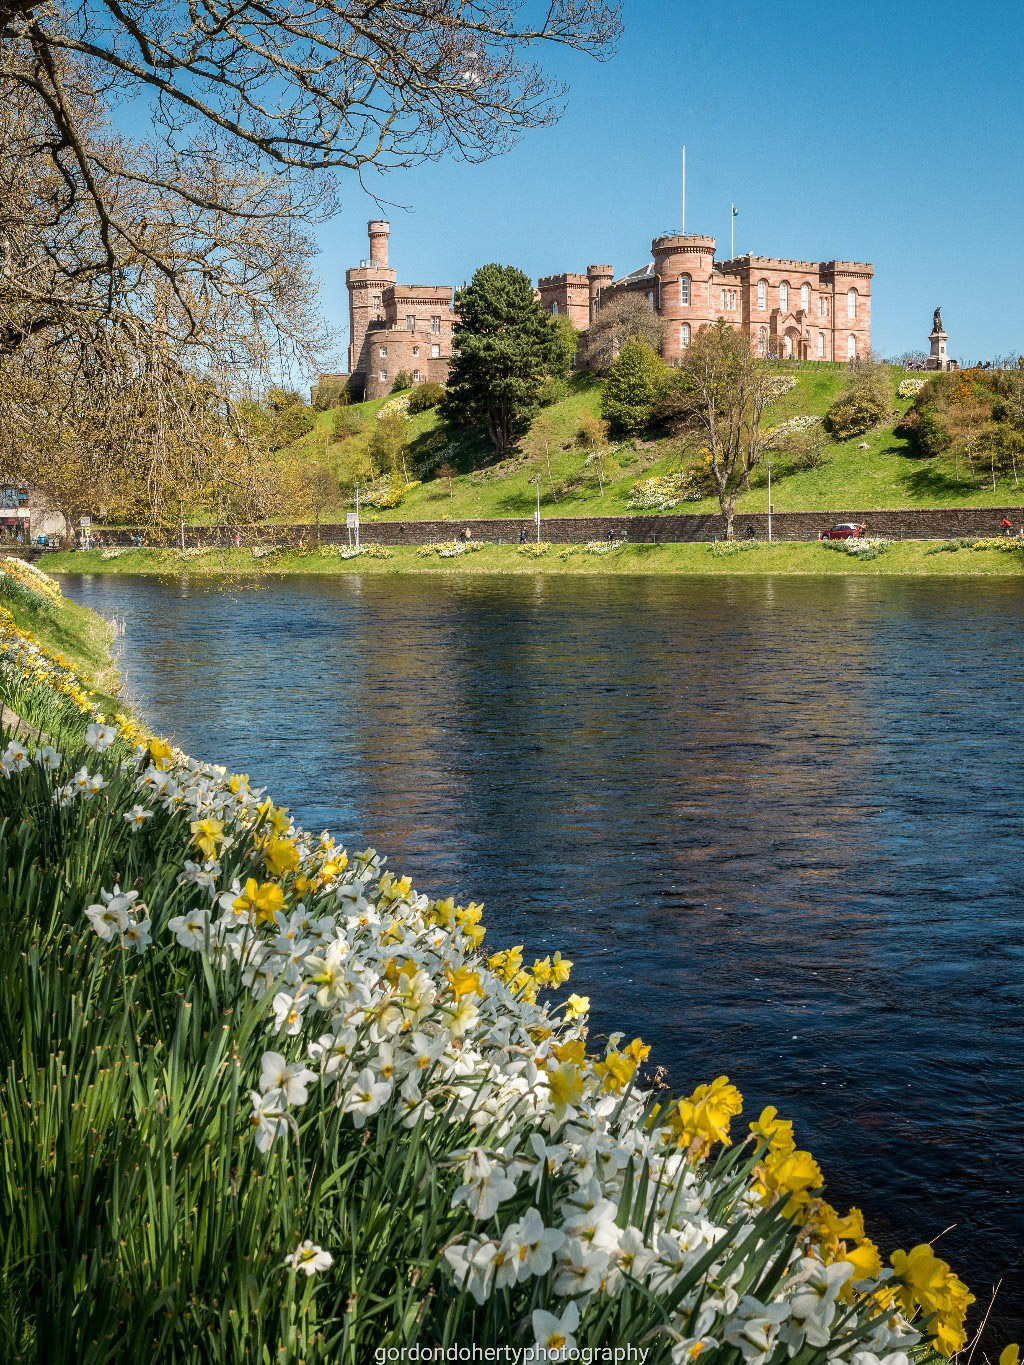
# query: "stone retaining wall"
906,524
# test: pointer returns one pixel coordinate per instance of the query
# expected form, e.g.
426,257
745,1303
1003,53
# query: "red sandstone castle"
807,310
804,310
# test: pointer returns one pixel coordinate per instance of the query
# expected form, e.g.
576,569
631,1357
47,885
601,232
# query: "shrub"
855,413
403,380
426,396
632,388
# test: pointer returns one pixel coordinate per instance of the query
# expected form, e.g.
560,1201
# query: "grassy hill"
885,474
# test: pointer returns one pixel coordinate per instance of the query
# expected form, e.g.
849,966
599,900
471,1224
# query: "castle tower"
598,277
366,284
683,263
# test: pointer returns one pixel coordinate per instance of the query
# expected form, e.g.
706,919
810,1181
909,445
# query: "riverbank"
64,628
907,559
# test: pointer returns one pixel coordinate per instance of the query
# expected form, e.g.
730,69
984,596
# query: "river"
777,824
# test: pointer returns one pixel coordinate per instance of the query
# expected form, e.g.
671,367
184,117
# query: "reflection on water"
777,824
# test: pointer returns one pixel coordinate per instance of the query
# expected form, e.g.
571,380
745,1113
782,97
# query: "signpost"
352,524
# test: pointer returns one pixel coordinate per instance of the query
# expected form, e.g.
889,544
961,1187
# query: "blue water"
777,824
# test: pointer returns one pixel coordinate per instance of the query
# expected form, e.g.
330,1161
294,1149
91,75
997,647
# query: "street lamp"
768,466
537,517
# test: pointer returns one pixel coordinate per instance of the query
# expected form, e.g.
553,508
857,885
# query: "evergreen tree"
632,388
504,347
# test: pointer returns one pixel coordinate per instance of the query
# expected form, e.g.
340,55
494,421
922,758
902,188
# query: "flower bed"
859,547
536,549
910,388
34,580
291,1108
790,427
449,549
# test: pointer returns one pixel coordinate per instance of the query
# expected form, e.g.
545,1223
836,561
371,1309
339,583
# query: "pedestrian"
1007,526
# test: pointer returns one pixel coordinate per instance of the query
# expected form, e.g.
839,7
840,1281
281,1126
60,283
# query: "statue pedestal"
938,360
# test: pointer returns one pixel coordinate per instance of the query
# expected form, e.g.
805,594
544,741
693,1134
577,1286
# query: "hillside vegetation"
455,476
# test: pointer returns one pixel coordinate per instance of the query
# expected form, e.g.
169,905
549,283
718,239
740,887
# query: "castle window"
851,304
762,294
410,322
416,376
435,352
784,296
787,346
822,306
554,309
805,297
383,376
851,348
821,345
723,300
435,324
684,291
684,334
762,340
415,350
383,352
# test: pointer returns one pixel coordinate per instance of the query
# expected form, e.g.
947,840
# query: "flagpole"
732,226
683,230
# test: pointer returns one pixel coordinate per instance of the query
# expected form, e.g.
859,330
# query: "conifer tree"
504,347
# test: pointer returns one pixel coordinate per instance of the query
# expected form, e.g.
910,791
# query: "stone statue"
937,320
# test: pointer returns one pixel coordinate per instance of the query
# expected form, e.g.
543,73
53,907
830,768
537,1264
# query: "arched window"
805,297
554,309
784,296
788,346
851,304
762,294
851,348
821,345
762,340
684,291
684,334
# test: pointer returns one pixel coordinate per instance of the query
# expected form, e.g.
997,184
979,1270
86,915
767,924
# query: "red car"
845,530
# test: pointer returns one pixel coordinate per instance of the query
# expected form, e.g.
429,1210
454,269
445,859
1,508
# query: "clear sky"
872,132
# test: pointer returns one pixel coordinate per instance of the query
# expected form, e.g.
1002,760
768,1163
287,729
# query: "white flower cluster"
790,427
576,1181
910,388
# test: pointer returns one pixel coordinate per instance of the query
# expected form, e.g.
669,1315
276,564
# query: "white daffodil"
288,1011
100,737
813,1304
48,758
595,1227
15,757
136,935
107,920
269,1117
327,973
191,930
754,1328
291,1078
579,1269
309,1259
485,1186
95,784
531,1245
555,1335
137,817
472,1266
366,1097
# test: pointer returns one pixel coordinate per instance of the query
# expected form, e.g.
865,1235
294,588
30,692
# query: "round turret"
379,230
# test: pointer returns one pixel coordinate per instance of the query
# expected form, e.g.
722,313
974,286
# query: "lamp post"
537,482
768,466
357,514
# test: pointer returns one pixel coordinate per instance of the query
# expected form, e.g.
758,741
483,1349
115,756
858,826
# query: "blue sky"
870,132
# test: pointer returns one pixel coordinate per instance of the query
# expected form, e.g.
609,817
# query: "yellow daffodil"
703,1118
208,835
281,856
463,982
263,900
577,1006
565,1084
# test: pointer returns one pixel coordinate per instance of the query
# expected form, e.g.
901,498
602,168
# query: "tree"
865,402
504,348
566,341
627,318
722,391
389,441
632,388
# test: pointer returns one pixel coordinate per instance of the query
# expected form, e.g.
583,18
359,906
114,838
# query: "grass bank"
925,559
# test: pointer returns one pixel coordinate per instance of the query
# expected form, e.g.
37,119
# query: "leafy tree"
403,380
627,318
866,402
504,347
565,345
632,388
721,392
388,443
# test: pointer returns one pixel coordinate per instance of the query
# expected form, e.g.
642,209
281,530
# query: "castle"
802,310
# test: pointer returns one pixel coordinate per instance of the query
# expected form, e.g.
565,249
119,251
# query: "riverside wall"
905,524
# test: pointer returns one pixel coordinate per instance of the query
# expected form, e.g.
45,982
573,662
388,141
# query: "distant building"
394,327
805,310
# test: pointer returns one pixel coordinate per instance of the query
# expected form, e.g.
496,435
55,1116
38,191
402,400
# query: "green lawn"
883,475
913,558
79,635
